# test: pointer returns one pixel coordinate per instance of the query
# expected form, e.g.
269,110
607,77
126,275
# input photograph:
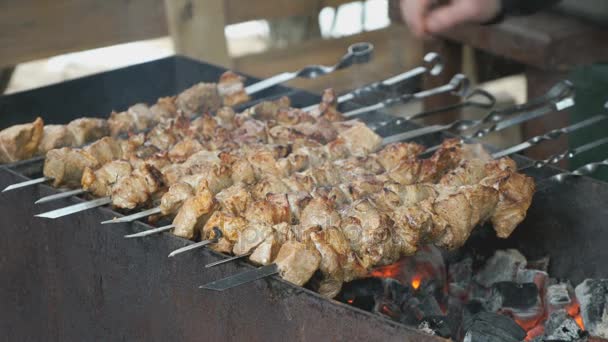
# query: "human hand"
424,18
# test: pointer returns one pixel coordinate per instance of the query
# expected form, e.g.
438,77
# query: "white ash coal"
467,297
592,295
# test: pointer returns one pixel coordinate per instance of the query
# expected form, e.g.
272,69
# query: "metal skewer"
197,245
560,178
27,183
558,98
357,53
568,154
134,217
227,260
459,86
60,195
150,232
478,98
241,278
552,135
76,208
433,64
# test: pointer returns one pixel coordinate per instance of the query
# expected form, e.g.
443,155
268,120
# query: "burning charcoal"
503,266
567,331
362,292
513,296
520,301
460,275
395,291
491,327
555,320
558,296
540,278
437,324
592,295
541,264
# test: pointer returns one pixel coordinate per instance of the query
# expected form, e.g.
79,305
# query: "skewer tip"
205,287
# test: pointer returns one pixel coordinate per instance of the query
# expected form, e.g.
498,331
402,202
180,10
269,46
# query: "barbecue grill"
74,279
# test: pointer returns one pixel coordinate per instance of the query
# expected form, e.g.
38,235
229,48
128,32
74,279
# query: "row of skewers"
306,193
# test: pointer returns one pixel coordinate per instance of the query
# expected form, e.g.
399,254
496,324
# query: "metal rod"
356,54
150,232
59,196
558,98
459,86
227,260
433,64
568,154
76,208
133,217
241,278
218,235
560,178
551,135
27,183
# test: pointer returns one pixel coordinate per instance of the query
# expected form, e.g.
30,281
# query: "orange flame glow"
390,271
416,281
574,310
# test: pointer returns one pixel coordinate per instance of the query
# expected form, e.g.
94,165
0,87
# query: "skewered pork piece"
255,170
23,141
176,135
346,237
248,130
205,164
20,142
323,168
172,136
354,178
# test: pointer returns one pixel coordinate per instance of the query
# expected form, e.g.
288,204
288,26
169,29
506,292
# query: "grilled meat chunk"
137,188
232,89
55,136
20,142
173,199
66,165
86,130
105,150
135,119
99,182
164,108
194,214
297,262
198,99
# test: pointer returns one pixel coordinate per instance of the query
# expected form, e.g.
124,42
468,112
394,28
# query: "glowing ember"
390,271
574,311
416,282
350,301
